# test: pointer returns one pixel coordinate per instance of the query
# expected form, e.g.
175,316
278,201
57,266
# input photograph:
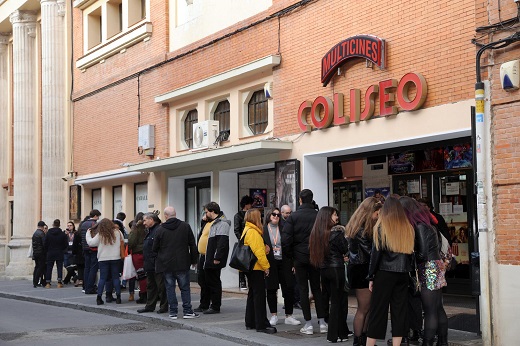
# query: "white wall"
201,18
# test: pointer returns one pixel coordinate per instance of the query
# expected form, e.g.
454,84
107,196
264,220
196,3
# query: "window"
109,26
257,112
114,17
97,202
221,115
191,118
141,197
93,32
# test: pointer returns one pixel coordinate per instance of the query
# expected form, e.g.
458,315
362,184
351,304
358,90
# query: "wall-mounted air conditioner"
205,134
146,139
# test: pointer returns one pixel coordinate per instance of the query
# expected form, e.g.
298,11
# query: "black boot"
363,339
429,342
142,298
442,340
109,298
99,301
356,341
118,299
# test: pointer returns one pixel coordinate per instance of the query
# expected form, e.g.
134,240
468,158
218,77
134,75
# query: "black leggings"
435,319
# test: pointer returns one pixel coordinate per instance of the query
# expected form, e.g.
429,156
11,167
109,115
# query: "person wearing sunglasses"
279,269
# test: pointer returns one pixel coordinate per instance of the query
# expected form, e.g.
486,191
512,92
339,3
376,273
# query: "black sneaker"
199,309
210,311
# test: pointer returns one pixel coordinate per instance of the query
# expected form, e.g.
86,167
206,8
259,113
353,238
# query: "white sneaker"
274,320
292,321
324,328
307,330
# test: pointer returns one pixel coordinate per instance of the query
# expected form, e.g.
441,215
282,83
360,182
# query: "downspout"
483,185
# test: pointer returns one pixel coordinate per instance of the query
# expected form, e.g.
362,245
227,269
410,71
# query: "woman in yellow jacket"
256,315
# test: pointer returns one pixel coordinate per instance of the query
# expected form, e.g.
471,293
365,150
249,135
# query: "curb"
216,332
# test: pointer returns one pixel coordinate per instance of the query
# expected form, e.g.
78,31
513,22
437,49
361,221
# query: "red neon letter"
402,91
324,122
385,99
302,121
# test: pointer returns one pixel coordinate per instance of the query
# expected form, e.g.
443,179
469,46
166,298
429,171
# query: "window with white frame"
110,26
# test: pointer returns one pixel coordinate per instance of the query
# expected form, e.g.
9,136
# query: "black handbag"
414,285
242,258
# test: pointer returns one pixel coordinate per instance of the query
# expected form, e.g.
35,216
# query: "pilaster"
25,140
54,98
4,142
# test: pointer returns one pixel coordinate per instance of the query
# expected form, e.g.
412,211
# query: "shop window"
222,115
141,197
97,202
257,112
191,118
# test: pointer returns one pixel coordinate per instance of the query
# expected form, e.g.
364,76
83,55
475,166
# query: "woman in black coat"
280,270
328,247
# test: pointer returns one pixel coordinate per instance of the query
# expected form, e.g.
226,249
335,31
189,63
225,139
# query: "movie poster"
259,197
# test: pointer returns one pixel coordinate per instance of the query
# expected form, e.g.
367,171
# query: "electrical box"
509,75
205,134
146,137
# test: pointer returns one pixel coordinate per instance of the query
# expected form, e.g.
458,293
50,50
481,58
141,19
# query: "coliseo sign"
390,92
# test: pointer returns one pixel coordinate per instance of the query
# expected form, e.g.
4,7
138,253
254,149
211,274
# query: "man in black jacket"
295,245
155,288
39,255
90,255
238,226
176,251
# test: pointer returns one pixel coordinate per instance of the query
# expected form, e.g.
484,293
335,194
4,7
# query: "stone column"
26,151
4,143
54,122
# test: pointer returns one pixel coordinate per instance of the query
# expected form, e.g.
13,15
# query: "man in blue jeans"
175,246
90,254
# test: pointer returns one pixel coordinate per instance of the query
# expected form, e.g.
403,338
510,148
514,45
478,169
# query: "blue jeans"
90,272
106,267
183,278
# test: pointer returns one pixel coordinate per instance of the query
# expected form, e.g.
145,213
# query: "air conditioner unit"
205,134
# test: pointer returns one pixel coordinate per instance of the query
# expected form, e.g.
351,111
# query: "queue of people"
374,255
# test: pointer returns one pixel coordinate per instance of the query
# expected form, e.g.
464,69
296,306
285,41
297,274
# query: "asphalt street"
26,323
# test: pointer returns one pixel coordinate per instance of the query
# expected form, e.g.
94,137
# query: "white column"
54,99
26,151
4,143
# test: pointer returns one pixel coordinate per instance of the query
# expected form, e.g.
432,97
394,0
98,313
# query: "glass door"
347,197
198,194
454,202
413,185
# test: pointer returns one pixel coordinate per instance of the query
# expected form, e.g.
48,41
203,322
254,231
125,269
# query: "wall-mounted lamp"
70,176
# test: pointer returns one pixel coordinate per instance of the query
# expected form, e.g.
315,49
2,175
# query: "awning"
210,156
120,175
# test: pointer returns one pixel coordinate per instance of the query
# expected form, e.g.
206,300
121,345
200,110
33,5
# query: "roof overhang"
211,156
114,177
261,65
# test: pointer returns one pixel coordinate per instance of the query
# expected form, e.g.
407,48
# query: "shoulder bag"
242,258
414,285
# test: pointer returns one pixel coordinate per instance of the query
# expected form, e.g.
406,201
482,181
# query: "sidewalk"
228,325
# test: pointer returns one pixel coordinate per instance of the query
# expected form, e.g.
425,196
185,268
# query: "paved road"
25,323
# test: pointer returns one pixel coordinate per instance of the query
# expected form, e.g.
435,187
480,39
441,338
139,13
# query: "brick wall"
505,150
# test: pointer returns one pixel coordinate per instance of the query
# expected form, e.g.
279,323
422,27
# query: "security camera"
65,178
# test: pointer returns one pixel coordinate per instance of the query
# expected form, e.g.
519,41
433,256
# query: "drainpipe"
481,183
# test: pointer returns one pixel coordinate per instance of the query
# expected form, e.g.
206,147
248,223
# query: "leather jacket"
388,261
338,247
426,243
360,249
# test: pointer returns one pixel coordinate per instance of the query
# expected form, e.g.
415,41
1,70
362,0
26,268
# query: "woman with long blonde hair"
256,315
108,240
390,263
359,232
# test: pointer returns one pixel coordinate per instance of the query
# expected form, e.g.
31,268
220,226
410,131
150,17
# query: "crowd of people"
384,244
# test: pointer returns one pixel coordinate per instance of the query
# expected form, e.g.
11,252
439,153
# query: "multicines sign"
390,92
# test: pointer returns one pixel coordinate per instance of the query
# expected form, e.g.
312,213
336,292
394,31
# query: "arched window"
221,115
257,112
191,118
